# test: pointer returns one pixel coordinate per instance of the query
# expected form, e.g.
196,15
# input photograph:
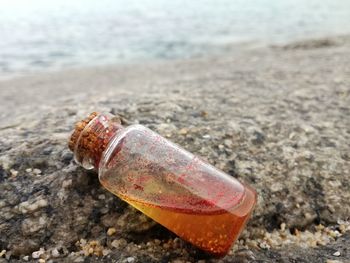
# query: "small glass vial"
177,189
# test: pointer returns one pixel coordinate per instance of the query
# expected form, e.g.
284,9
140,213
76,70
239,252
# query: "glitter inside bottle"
191,198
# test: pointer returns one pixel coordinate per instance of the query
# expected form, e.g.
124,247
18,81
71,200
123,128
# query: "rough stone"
277,119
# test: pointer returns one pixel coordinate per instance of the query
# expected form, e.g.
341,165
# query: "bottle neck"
91,138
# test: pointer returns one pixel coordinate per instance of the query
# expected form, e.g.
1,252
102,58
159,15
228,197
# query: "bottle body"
177,189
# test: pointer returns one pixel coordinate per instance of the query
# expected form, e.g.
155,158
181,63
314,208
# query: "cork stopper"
79,127
91,137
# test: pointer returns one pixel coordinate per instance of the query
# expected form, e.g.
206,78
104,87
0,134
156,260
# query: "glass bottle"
177,189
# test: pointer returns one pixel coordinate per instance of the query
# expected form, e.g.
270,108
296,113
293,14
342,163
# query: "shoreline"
157,68
231,49
217,50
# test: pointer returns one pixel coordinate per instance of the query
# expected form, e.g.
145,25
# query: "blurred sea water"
58,34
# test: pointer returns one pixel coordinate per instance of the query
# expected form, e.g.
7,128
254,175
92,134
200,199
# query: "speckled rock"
277,119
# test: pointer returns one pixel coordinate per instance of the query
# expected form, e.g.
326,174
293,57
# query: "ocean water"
58,34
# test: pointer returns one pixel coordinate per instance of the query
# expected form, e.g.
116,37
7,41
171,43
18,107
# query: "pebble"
130,259
37,254
55,253
183,131
101,197
3,252
111,231
26,206
283,226
117,243
25,258
37,171
13,172
264,245
336,254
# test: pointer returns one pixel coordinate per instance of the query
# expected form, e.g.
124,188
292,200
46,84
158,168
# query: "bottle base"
212,232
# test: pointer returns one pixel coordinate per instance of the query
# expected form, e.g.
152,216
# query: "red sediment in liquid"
212,229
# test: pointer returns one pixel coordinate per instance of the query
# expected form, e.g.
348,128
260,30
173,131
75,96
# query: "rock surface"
276,118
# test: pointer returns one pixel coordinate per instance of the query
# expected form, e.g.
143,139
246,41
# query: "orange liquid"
213,230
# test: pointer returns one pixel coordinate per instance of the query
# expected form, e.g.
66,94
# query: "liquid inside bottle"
191,198
212,229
